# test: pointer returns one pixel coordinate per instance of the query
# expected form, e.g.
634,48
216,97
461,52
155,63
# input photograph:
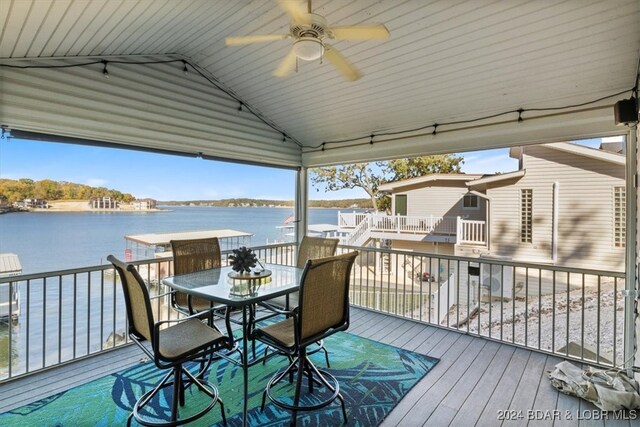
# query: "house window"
619,216
470,201
526,215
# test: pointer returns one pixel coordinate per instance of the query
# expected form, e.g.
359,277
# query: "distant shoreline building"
104,203
144,204
32,204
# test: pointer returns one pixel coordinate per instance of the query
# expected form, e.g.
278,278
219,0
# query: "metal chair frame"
175,364
297,353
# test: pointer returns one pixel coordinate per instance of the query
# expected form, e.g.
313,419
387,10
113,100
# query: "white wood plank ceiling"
445,60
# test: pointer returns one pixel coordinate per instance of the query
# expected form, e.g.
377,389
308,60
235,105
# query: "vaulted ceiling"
446,59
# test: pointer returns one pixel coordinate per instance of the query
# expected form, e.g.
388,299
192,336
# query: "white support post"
630,327
302,204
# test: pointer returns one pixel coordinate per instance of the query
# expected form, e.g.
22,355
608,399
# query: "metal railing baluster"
390,291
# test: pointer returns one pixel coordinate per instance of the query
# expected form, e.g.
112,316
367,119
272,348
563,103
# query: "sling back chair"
173,343
322,311
190,256
310,248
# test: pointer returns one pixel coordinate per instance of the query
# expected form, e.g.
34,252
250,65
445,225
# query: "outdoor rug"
373,378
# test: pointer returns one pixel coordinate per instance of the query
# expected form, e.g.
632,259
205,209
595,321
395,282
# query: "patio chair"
310,248
323,310
190,256
173,343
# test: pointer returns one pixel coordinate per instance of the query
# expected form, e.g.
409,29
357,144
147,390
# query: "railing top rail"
494,261
102,267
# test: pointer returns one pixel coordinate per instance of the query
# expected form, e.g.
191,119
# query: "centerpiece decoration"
243,260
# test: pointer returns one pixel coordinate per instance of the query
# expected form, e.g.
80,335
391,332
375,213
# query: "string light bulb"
105,72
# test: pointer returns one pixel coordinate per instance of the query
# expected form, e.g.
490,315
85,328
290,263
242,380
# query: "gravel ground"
533,321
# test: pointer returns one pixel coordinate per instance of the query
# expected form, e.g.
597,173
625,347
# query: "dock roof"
164,238
9,265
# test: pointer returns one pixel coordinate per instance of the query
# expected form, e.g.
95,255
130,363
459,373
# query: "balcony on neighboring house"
360,228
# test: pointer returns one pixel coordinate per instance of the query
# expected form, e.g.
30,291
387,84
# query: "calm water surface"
53,241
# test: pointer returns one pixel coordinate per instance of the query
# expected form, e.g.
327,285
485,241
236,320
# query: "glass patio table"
217,286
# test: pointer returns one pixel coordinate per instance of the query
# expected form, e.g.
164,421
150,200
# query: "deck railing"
576,313
471,232
465,231
570,312
71,314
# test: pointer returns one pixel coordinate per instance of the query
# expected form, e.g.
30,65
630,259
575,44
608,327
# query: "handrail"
89,297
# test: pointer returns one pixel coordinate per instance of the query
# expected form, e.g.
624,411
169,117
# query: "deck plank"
469,375
501,397
473,380
436,390
477,398
545,404
449,353
525,393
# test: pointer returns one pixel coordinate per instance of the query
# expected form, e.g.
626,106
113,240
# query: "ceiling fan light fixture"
308,48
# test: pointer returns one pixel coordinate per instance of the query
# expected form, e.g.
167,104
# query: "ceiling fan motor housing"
309,35
315,27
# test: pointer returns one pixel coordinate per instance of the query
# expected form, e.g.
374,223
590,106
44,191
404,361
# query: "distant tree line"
24,188
340,204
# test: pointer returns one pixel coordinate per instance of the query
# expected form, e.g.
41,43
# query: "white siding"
441,198
585,211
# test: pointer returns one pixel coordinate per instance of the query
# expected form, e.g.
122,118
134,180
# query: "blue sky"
165,177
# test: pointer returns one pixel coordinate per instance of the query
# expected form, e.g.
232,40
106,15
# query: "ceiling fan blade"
287,65
295,10
360,32
350,72
237,41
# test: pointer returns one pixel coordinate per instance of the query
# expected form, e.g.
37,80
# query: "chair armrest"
197,315
275,309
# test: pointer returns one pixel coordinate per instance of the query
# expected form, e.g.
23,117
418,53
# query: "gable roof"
577,149
496,178
462,177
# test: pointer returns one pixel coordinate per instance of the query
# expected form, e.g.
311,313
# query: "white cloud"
488,162
96,182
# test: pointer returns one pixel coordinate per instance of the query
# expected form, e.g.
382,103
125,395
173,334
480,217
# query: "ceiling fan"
309,32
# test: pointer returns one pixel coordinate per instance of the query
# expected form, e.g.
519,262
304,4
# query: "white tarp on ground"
609,390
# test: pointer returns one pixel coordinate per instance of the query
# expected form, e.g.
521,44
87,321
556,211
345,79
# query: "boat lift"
9,295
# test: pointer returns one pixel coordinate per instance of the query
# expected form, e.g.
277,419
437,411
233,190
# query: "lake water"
54,241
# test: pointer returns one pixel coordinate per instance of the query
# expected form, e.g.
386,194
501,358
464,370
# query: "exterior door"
401,204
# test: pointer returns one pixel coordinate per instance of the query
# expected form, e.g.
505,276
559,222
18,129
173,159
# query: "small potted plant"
243,260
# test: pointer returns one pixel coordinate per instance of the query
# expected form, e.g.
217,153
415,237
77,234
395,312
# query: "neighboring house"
427,209
143,204
103,203
33,204
565,205
566,208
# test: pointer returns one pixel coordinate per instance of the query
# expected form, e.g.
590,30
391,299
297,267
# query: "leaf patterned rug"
373,378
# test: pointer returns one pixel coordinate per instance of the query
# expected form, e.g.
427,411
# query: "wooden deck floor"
474,381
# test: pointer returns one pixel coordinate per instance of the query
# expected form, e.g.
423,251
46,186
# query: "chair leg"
344,409
224,417
182,388
309,379
326,355
296,399
176,393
